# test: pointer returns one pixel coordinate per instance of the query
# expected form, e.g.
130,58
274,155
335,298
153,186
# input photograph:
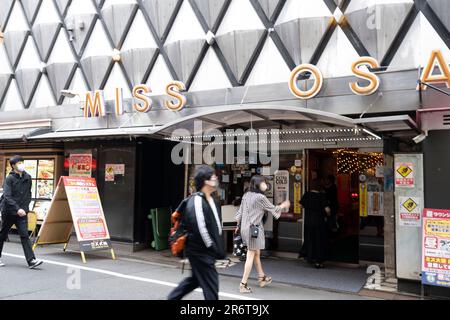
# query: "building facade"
157,65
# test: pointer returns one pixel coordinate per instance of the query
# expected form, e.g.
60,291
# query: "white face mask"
21,167
212,183
263,187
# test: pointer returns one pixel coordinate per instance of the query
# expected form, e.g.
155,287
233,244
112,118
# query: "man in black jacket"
203,221
15,207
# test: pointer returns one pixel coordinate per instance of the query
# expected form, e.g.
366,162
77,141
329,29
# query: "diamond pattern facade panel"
51,45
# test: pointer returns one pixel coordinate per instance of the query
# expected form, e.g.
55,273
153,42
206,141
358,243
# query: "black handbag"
254,231
239,247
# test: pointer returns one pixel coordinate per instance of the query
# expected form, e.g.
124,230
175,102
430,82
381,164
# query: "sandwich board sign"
77,204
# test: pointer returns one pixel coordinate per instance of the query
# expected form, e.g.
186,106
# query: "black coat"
195,244
16,193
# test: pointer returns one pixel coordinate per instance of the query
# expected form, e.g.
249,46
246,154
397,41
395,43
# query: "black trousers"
8,220
315,246
204,275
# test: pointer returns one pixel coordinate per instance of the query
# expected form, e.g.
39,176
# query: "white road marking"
129,277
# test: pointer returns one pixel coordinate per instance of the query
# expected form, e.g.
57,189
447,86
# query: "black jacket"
16,193
203,233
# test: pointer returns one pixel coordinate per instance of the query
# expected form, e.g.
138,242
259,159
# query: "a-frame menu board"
77,204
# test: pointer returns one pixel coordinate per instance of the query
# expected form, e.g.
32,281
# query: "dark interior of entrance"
358,237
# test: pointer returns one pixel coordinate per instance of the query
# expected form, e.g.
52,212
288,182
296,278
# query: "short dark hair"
203,173
314,185
255,183
14,160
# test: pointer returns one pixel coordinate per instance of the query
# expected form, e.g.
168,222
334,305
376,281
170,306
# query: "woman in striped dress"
251,212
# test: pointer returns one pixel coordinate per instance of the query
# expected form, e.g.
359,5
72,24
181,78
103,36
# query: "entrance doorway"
358,179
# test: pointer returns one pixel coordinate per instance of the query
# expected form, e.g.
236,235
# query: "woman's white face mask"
263,187
213,183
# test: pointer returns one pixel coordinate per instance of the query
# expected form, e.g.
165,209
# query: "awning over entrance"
24,129
389,123
99,133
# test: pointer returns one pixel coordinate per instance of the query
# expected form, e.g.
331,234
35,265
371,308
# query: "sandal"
264,280
243,288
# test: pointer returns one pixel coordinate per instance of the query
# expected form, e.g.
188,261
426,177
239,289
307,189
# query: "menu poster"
31,167
46,169
44,189
436,247
80,165
41,208
87,213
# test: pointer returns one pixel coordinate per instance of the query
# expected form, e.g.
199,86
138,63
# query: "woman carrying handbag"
250,225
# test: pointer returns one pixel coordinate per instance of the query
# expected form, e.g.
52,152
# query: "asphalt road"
64,276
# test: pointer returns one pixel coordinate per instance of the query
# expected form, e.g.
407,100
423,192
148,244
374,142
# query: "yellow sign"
410,205
404,171
439,228
297,196
363,199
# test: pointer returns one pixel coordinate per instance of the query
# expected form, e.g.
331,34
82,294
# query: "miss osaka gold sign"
95,102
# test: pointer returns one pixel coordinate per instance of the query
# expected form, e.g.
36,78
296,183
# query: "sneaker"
244,288
34,263
2,264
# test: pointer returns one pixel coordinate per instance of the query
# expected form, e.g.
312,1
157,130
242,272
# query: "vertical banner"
281,186
363,199
297,197
409,195
375,204
436,247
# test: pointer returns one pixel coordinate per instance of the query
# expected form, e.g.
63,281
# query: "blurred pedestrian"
14,206
204,244
250,224
317,210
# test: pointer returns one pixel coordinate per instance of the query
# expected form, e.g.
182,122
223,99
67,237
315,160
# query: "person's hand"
21,213
236,231
286,204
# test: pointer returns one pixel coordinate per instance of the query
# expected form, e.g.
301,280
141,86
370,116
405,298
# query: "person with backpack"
202,221
14,206
250,218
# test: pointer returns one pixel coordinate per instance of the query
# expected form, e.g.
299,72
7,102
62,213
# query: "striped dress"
251,211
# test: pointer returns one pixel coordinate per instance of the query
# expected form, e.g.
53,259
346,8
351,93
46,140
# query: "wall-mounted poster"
436,247
41,209
404,174
281,187
44,189
112,171
46,169
269,191
80,165
410,211
31,167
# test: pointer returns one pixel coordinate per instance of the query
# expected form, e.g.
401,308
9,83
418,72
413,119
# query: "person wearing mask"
204,245
317,210
251,212
15,207
331,191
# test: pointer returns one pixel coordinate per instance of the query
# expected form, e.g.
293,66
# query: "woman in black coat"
317,210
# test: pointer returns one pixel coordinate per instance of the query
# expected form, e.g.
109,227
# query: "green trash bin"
161,227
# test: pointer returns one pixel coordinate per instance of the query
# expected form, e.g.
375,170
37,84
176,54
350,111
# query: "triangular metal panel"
184,56
5,12
31,8
442,9
15,43
118,18
5,80
81,36
96,69
302,36
63,6
238,48
161,14
27,82
211,10
269,7
60,76
376,27
137,62
45,35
